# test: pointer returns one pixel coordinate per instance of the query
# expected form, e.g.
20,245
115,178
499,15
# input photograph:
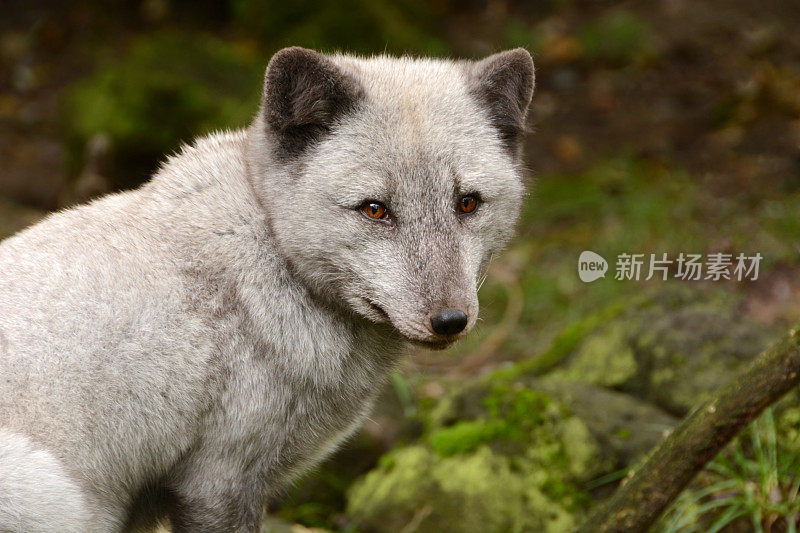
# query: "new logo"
591,266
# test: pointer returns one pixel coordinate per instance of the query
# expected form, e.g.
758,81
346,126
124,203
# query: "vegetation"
164,90
754,483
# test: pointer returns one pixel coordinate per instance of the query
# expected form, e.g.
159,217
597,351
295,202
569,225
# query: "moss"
508,413
479,492
463,437
623,433
502,457
605,359
578,447
673,349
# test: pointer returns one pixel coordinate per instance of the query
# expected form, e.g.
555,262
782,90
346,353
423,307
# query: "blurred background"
658,126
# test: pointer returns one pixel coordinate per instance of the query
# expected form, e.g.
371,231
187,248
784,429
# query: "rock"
506,454
479,492
602,359
516,451
624,428
673,350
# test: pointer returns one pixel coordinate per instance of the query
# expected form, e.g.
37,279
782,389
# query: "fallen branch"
648,490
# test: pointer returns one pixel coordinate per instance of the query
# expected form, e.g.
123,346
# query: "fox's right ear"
305,93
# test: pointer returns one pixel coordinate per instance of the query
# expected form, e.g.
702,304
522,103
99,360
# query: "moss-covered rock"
537,442
506,454
602,359
496,456
673,349
477,492
623,427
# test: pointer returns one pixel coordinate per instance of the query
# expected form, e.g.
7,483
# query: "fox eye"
375,210
467,204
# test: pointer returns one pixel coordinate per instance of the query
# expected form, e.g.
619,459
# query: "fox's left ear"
503,83
305,93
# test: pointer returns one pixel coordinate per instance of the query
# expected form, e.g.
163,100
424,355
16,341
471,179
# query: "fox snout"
445,323
449,322
433,325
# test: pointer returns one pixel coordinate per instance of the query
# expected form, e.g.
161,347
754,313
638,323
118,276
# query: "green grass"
755,482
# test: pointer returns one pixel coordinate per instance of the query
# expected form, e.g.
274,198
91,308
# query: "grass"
753,484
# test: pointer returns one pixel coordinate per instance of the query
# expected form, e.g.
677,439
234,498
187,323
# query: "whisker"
486,272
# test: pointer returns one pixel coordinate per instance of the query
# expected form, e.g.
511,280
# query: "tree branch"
671,465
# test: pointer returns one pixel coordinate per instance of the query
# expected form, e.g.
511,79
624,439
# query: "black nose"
449,322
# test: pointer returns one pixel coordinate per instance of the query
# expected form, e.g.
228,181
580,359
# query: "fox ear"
304,95
503,83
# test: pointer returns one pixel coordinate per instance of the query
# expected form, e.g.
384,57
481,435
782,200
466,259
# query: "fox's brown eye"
467,204
374,210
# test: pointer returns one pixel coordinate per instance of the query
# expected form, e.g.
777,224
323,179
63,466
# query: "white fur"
202,340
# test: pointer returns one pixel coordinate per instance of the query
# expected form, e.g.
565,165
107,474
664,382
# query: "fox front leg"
211,500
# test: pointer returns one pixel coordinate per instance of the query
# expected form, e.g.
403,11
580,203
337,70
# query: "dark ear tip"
292,55
524,58
521,55
520,61
517,62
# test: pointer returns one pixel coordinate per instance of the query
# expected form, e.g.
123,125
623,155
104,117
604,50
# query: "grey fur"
194,345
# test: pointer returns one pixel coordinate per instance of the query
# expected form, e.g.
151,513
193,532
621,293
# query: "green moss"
480,492
508,413
463,437
578,448
499,457
605,358
623,433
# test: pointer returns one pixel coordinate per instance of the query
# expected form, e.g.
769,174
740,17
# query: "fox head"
389,183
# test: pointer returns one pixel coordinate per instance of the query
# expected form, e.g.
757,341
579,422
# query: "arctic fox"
186,349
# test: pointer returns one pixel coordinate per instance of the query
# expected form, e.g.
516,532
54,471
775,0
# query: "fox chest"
298,418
